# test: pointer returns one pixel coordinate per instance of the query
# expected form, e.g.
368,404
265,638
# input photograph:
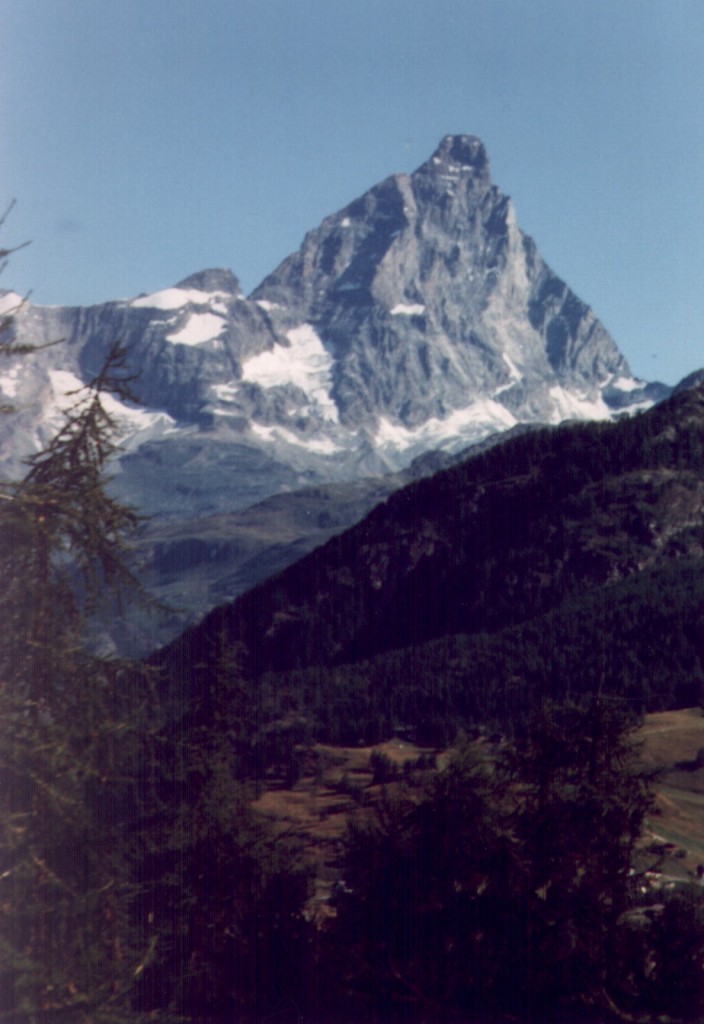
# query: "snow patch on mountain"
225,392
305,363
461,426
320,445
171,298
198,329
627,384
10,302
136,425
10,380
570,405
514,371
408,309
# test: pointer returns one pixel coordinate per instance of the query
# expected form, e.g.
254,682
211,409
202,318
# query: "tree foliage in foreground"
72,729
134,881
225,893
506,889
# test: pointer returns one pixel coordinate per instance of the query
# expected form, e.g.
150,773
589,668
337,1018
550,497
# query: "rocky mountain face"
440,315
418,318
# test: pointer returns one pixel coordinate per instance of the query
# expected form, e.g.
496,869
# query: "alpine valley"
411,325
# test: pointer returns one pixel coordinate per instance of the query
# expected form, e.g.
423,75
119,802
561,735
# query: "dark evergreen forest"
560,562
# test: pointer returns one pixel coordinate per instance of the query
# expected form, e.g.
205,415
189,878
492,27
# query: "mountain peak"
212,280
417,318
464,152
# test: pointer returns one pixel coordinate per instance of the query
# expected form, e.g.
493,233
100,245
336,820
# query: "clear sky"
146,139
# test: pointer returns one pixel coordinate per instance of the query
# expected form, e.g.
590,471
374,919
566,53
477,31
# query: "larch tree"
74,731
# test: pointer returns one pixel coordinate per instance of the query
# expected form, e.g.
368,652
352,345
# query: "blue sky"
146,139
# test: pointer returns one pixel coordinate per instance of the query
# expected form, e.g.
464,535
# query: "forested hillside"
559,562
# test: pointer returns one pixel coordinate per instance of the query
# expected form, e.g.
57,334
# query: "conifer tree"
500,890
74,730
583,799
